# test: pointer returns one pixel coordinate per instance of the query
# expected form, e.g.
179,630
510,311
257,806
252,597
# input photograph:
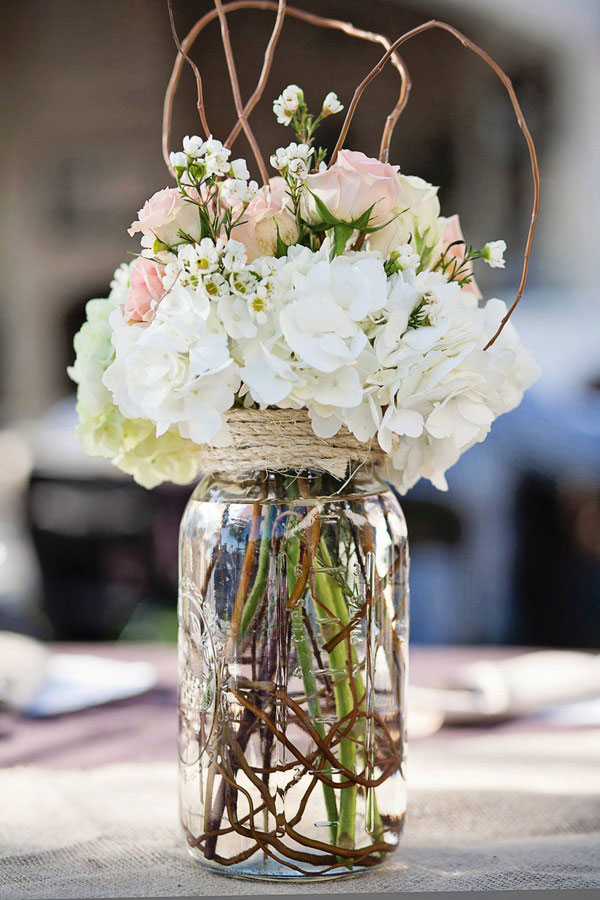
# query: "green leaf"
328,219
281,248
205,229
342,233
361,223
371,229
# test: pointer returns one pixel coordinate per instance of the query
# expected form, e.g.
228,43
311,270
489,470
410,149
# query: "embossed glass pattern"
293,640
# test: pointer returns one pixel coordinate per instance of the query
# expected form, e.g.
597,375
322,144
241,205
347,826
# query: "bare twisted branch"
503,77
282,10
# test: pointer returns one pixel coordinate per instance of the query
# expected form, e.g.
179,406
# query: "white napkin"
521,685
40,683
75,682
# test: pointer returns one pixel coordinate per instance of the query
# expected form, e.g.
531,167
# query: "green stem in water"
262,573
310,682
331,597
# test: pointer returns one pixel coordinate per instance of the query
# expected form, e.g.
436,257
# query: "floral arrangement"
328,317
339,289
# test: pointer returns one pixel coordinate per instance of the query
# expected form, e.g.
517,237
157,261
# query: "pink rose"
353,184
265,215
453,232
163,216
145,290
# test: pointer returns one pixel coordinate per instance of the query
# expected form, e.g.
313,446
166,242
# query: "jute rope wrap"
283,439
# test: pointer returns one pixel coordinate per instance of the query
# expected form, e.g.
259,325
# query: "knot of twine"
283,439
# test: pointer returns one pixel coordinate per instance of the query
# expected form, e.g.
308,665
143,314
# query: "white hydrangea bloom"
174,372
444,400
320,323
233,255
131,444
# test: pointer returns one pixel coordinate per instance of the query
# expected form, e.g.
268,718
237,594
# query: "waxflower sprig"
217,186
291,109
459,267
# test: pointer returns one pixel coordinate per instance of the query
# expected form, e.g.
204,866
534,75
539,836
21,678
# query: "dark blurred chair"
105,549
557,567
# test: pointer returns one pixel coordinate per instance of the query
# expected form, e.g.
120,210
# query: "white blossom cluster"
374,324
131,444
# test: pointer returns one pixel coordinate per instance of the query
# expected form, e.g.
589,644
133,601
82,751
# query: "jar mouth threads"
282,486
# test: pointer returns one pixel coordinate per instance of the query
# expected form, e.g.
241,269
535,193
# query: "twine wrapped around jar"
283,439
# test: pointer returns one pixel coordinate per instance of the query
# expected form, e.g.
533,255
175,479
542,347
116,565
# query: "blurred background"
511,554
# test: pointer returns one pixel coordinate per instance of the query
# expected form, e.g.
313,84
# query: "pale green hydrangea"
130,444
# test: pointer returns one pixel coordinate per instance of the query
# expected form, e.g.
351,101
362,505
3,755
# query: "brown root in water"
268,708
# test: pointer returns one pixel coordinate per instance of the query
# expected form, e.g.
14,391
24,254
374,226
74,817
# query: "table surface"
143,729
89,801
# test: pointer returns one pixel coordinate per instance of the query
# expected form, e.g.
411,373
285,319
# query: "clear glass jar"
293,624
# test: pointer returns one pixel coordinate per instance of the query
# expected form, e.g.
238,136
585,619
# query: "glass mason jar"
293,624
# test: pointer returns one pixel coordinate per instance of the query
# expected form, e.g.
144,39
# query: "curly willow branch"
501,74
237,97
195,70
282,10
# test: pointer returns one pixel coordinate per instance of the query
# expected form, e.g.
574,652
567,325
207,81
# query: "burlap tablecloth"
491,810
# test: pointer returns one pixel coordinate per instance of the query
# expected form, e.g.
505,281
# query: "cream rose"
164,216
417,210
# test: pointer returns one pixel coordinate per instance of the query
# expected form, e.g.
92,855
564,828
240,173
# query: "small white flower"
279,160
259,305
234,256
239,169
237,191
283,117
405,257
199,258
193,146
267,266
292,97
331,104
298,168
215,285
293,159
493,254
288,103
178,160
242,282
216,158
